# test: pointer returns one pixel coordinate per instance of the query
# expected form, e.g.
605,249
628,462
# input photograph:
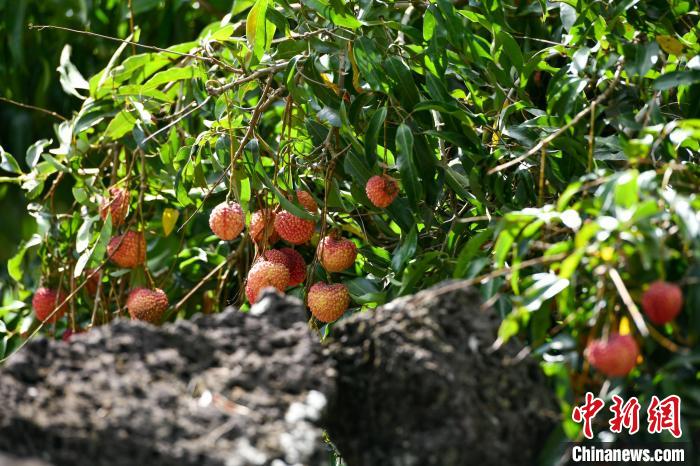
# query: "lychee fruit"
227,220
296,266
328,302
262,224
292,260
127,250
307,201
45,300
147,305
265,274
614,357
116,203
381,190
662,302
276,256
336,254
293,229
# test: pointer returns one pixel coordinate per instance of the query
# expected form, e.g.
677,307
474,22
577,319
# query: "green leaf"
120,125
409,173
172,75
511,48
335,11
14,264
469,251
365,291
8,162
239,6
369,61
82,240
97,253
258,29
286,203
376,124
405,251
546,286
640,58
675,79
70,78
34,151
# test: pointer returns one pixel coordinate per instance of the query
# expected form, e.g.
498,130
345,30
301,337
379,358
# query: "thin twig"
135,44
32,107
218,90
629,302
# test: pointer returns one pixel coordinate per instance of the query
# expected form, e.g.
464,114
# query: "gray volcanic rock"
420,385
411,383
228,389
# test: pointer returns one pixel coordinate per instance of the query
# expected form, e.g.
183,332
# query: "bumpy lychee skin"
615,357
276,256
262,224
296,266
293,229
307,201
116,203
328,302
147,305
227,220
336,254
265,274
662,302
45,301
381,190
127,250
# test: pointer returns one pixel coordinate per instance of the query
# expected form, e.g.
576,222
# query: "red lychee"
296,266
328,302
293,229
307,201
227,220
614,357
265,274
116,203
45,300
262,224
662,302
381,190
147,305
127,250
292,260
336,254
276,256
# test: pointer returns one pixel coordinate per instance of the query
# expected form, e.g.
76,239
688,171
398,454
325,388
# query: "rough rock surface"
230,389
419,385
412,383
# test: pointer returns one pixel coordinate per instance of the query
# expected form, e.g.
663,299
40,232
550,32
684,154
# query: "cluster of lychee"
278,268
617,355
285,267
127,250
